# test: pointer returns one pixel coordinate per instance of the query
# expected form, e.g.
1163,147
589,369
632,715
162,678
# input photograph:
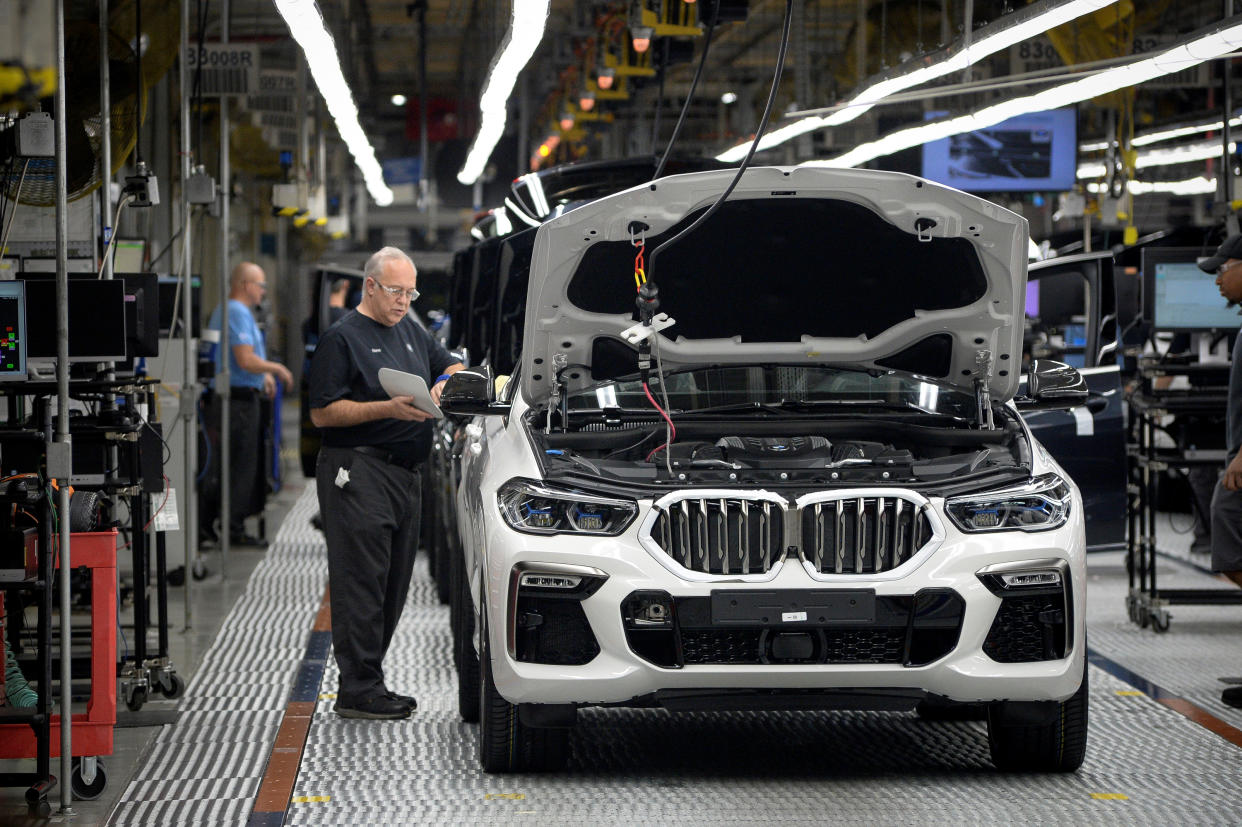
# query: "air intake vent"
863,535
725,535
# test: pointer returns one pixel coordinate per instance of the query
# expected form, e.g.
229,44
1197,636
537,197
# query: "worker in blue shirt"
251,373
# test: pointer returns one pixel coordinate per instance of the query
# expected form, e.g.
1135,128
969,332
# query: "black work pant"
246,444
370,513
245,449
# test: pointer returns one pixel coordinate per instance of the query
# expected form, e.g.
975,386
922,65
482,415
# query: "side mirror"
472,392
1051,384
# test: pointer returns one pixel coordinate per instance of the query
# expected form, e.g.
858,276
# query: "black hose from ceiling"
754,145
694,84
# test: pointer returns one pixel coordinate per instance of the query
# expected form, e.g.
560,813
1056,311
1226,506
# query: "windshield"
793,387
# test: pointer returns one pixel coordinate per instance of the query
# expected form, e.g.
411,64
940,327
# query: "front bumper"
933,629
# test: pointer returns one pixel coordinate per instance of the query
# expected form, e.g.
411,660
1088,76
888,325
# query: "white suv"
802,483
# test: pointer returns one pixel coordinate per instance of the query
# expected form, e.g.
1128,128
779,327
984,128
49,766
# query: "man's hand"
1233,474
284,375
437,390
269,386
402,407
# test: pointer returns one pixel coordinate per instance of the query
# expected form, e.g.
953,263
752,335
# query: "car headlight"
1039,505
536,509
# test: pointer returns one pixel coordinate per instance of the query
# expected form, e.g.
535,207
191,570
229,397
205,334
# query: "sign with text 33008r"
224,68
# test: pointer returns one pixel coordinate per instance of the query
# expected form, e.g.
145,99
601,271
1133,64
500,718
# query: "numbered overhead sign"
1038,54
223,68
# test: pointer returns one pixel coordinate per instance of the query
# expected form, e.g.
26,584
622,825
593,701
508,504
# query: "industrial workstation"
612,411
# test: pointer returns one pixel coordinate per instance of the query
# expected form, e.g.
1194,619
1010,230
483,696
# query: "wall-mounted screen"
1178,296
1033,152
12,330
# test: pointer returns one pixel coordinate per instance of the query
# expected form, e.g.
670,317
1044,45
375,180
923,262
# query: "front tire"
505,743
467,660
1057,745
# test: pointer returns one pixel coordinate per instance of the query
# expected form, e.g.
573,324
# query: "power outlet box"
35,137
200,188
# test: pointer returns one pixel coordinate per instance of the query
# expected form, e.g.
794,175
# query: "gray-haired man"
367,474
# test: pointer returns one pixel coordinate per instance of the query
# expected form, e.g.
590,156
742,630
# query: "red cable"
671,427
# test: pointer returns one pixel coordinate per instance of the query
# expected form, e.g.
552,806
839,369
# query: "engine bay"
763,451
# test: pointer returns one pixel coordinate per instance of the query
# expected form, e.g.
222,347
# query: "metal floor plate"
1145,762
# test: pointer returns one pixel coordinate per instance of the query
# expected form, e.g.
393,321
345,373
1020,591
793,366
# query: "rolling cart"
1147,604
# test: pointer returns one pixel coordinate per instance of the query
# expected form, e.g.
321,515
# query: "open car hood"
855,268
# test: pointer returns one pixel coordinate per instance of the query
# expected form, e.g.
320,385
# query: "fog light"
551,581
1031,578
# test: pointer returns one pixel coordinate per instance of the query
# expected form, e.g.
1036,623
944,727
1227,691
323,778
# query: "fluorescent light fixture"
526,27
1011,29
728,98
1161,135
1190,52
398,100
1190,186
306,25
1185,154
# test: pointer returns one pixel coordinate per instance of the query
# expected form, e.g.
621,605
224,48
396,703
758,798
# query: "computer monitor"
171,306
129,255
1179,297
96,319
12,330
142,313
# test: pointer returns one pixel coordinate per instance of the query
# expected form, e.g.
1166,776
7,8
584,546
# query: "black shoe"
378,707
410,702
247,540
316,521
1232,697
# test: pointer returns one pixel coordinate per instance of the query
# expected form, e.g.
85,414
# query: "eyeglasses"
1221,270
396,292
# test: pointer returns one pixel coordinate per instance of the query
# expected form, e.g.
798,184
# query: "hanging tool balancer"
648,300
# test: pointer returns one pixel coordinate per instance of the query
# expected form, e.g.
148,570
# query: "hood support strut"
983,396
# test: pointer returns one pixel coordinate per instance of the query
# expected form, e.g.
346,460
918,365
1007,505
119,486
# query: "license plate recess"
792,607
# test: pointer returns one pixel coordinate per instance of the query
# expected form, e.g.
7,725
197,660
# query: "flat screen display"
1187,298
12,330
96,319
171,306
1033,152
129,255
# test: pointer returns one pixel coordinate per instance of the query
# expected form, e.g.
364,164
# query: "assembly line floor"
1162,748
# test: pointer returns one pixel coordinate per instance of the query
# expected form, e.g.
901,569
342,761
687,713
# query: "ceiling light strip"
526,27
1190,52
1190,186
1186,154
306,25
1162,135
1010,30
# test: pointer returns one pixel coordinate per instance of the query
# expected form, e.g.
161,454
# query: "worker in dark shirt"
1227,499
367,474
